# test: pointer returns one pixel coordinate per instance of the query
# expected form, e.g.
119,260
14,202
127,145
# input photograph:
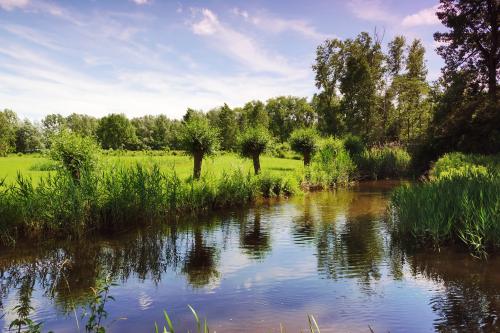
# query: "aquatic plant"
460,204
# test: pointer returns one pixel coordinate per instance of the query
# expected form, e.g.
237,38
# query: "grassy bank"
111,199
460,204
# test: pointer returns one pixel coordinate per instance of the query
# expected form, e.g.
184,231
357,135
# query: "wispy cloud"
13,4
426,16
275,24
141,2
239,46
371,10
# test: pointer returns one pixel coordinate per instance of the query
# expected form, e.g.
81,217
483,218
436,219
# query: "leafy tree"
254,114
287,113
199,139
224,118
82,124
252,143
75,153
115,131
28,138
52,124
304,141
144,131
190,113
395,57
8,125
360,85
472,42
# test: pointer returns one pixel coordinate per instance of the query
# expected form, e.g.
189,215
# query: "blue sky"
151,56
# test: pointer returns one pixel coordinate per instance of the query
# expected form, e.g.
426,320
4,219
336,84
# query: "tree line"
380,94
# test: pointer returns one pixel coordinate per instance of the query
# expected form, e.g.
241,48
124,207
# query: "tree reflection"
470,300
200,264
254,239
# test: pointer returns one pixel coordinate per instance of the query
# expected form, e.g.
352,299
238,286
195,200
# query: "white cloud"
141,2
278,25
371,10
426,16
240,47
12,4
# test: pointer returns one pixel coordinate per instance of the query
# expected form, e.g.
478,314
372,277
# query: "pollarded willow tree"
304,141
252,143
199,139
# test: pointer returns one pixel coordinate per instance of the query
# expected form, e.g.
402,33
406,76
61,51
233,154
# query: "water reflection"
342,234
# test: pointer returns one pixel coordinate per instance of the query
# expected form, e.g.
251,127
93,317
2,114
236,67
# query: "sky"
142,57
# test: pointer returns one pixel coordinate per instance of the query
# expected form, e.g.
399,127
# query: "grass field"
36,165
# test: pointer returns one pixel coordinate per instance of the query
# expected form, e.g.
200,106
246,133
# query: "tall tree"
28,137
472,42
224,118
8,126
115,131
254,114
287,113
82,124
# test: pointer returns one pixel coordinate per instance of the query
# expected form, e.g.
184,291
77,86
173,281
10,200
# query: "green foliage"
28,138
460,204
305,142
8,125
354,145
224,119
122,196
384,162
253,141
332,165
198,137
287,113
458,163
116,131
75,153
96,306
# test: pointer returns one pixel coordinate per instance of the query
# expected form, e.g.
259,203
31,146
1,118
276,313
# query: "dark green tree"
28,138
116,131
224,118
8,127
287,113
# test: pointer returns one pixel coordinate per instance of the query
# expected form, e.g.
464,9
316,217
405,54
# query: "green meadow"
36,166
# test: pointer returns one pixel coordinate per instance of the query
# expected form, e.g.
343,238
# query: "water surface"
247,270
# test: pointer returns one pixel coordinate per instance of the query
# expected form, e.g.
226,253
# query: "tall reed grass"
113,198
460,204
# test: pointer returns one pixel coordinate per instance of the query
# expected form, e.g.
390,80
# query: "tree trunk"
198,158
307,158
256,163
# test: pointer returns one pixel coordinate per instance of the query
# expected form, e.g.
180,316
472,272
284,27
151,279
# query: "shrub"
199,139
332,165
304,141
252,143
75,153
384,162
466,163
354,145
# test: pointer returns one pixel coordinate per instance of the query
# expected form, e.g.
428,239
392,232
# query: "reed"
460,205
58,205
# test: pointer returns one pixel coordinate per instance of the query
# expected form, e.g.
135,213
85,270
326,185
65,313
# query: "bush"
384,162
354,145
75,153
332,164
252,143
304,141
454,162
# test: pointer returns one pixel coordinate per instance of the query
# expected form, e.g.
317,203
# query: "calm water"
247,270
